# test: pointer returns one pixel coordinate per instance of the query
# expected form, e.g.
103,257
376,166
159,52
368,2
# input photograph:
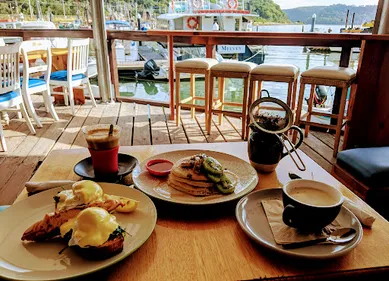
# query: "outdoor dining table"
189,245
59,57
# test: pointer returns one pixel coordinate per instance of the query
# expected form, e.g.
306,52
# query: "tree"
268,11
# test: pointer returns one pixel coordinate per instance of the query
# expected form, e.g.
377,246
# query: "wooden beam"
171,75
28,33
113,67
378,16
135,36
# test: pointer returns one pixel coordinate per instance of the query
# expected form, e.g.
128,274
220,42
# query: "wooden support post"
344,62
210,51
381,22
171,74
369,125
100,40
113,67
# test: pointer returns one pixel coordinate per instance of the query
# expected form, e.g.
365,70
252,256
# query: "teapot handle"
294,147
297,145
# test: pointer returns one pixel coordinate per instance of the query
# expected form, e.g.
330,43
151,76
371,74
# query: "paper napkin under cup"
285,235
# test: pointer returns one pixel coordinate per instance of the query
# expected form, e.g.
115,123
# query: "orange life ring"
232,4
192,23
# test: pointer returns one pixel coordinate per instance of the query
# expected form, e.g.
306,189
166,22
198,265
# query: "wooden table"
190,245
59,57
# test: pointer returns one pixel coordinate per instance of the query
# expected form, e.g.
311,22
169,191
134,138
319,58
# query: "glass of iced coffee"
103,144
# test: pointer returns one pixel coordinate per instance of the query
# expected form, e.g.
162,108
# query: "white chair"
35,84
10,97
76,73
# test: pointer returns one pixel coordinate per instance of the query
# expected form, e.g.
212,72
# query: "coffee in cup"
103,144
310,205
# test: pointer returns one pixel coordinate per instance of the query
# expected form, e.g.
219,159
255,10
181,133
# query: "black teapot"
271,122
266,150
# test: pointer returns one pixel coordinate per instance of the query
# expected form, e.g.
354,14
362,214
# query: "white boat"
201,15
339,50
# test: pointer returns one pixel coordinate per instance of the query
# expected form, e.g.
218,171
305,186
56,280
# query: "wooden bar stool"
287,73
193,66
229,69
340,77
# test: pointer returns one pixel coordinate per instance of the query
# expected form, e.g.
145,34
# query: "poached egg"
91,227
82,192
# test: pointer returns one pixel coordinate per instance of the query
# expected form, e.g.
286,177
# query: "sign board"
231,49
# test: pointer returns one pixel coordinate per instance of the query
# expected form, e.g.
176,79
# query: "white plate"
157,187
41,261
252,219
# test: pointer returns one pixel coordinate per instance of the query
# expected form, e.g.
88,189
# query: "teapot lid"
271,115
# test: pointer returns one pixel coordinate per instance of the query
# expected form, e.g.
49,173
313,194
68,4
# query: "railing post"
210,51
113,67
171,74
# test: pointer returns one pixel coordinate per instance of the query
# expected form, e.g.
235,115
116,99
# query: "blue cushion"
369,165
8,96
62,75
2,208
33,82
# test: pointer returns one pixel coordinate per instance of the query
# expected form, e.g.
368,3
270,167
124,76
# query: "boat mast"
348,12
29,5
38,9
63,7
17,7
352,21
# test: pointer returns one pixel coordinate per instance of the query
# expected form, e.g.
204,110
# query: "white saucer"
252,219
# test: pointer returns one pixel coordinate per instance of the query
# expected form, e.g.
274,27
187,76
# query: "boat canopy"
170,16
38,25
118,22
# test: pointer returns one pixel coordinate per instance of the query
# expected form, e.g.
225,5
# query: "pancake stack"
188,181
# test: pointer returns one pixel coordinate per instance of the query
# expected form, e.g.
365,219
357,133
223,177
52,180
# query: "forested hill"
268,11
334,14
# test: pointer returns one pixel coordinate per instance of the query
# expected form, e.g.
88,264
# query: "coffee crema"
99,139
312,196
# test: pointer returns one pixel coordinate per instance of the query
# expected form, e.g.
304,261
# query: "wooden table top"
43,54
190,246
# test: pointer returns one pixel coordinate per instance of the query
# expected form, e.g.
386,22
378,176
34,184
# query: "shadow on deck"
141,125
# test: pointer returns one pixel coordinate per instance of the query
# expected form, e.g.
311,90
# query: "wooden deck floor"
142,125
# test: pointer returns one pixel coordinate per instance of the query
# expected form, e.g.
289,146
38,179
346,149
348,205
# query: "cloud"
286,4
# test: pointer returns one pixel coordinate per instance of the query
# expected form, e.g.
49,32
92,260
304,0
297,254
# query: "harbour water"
159,91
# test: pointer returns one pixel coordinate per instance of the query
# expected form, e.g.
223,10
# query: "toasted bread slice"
48,228
108,249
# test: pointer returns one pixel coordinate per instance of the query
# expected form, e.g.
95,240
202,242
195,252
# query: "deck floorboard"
141,134
27,151
159,129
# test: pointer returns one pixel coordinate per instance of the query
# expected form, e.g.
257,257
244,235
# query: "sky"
287,4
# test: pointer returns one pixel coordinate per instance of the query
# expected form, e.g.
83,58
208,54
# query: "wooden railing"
374,52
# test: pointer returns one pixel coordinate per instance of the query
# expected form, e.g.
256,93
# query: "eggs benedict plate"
94,237
69,202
